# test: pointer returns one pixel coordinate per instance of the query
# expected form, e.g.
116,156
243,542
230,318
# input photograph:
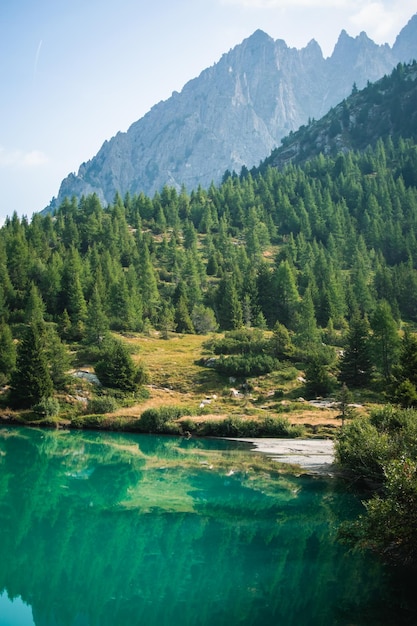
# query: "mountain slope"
385,108
233,114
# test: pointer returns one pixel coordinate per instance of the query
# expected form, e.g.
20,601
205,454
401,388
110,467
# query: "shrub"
103,404
161,419
244,366
47,407
116,368
242,341
267,427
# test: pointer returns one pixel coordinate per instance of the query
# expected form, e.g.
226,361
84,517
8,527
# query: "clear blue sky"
74,72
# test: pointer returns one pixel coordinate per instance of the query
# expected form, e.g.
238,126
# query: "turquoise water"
111,529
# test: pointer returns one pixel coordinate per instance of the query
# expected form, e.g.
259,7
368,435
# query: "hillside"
385,108
233,114
292,283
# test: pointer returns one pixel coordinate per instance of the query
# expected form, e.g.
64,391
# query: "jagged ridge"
234,113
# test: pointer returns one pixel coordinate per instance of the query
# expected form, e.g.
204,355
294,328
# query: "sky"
75,72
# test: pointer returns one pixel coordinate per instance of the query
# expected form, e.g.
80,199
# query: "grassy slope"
176,379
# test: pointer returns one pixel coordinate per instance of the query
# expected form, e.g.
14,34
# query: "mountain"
234,113
386,108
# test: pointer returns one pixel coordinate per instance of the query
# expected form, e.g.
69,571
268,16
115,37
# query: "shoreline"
316,456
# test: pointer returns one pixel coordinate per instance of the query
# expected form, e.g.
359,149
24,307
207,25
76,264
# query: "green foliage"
239,427
356,363
280,344
363,450
7,353
344,234
161,419
319,381
242,341
244,366
47,407
404,387
203,319
102,404
382,451
31,381
117,369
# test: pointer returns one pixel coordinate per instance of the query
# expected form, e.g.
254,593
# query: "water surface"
105,529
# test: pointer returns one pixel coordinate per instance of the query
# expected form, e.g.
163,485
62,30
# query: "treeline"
318,251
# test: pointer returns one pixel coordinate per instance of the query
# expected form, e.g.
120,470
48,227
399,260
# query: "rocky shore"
314,455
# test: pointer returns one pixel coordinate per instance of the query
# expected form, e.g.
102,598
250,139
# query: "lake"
114,529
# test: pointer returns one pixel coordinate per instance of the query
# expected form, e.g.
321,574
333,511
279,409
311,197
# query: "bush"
116,368
265,427
104,404
47,407
244,366
161,419
243,341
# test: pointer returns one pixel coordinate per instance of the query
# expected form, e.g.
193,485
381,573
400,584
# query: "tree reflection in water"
102,528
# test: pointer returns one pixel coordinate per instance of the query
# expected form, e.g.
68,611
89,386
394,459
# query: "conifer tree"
182,317
229,309
116,368
97,324
385,338
356,363
31,381
286,294
7,353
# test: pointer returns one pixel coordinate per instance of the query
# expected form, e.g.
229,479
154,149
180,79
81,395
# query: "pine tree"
356,363
286,294
385,339
31,381
7,353
97,324
116,368
229,309
182,317
58,358
306,332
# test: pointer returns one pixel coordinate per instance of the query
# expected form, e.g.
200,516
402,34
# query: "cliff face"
234,113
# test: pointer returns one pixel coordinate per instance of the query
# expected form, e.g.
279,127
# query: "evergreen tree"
319,382
35,307
307,334
286,294
166,319
182,317
7,353
58,358
31,381
280,343
385,339
97,324
116,368
356,363
229,309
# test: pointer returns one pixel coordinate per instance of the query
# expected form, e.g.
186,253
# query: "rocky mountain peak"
405,46
233,114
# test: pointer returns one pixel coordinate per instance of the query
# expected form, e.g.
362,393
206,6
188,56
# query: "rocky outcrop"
233,114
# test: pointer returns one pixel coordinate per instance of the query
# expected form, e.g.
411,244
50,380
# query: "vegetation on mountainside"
301,281
385,108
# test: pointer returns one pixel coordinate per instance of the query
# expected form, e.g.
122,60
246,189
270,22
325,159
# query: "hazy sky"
74,72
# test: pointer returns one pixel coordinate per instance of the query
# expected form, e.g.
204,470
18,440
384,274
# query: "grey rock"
233,114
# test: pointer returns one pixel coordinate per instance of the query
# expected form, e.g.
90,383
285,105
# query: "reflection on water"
104,529
14,612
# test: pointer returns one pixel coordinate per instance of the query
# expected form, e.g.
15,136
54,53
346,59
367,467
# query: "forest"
313,264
